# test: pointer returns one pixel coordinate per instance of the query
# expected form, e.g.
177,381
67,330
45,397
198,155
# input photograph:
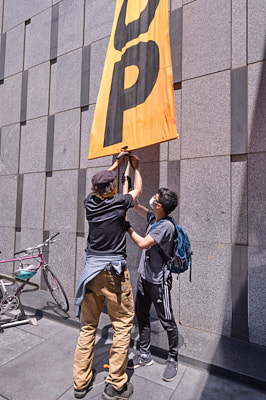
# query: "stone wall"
52,58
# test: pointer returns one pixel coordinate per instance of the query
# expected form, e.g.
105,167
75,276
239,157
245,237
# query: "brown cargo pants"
120,306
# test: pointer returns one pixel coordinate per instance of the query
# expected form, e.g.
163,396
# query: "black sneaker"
170,371
139,361
80,393
111,393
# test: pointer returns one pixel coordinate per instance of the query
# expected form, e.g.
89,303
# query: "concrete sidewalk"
36,363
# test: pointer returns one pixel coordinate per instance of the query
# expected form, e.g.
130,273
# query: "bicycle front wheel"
56,289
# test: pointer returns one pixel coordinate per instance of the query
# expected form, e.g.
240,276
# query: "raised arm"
141,242
140,209
137,178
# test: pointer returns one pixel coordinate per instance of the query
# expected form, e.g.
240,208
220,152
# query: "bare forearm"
141,242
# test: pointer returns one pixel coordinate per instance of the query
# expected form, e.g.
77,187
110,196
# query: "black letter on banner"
124,33
146,57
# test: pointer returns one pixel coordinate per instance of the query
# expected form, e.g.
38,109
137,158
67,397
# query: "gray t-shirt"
151,263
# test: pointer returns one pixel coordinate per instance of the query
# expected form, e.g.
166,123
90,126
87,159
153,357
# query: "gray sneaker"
139,361
170,371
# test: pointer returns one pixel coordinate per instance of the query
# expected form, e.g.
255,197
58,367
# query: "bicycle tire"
56,289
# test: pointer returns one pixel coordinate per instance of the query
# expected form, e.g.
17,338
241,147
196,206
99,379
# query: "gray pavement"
36,363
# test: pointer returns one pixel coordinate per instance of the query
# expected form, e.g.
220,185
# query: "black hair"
168,199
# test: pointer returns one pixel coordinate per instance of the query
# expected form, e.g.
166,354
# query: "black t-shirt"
107,226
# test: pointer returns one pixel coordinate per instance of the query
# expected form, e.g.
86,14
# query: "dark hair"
168,199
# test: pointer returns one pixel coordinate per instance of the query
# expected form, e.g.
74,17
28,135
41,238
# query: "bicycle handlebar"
45,243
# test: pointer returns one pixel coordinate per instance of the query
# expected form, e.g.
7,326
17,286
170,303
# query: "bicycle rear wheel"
56,289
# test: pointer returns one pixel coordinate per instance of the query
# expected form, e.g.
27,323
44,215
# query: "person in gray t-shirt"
155,280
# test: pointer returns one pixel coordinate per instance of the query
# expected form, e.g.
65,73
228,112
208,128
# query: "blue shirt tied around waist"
92,267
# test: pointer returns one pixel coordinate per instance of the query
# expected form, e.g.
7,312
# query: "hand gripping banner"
135,105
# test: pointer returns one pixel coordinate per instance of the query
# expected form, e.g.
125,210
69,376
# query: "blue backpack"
181,257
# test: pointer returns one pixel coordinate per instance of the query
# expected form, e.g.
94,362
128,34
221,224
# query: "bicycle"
10,300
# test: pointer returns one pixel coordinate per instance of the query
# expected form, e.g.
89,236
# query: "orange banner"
135,105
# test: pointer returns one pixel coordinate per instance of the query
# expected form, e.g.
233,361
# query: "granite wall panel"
256,30
257,295
9,149
33,201
2,56
239,200
176,4
256,107
10,100
14,50
38,91
206,37
17,11
174,145
176,25
206,116
239,33
66,140
98,53
7,248
98,20
19,201
256,200
205,199
8,200
54,32
1,14
70,27
205,302
24,96
62,257
66,82
239,102
86,123
37,45
33,146
61,201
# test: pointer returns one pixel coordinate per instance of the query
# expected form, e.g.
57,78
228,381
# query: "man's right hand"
135,161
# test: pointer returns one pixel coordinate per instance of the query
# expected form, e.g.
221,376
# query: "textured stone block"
17,11
206,121
66,82
33,146
62,256
10,100
66,140
187,1
163,174
239,102
98,53
33,201
205,302
37,48
206,37
61,201
176,4
7,248
256,200
1,14
98,20
8,196
205,199
38,91
256,30
81,254
14,50
70,28
9,150
86,124
257,295
256,107
239,33
176,23
239,201
174,145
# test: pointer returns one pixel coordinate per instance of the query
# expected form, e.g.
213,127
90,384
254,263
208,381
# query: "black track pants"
159,295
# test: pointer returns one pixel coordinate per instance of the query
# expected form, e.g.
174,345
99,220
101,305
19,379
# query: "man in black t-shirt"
105,276
155,281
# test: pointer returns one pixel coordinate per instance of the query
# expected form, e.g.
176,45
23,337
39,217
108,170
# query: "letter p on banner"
135,105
